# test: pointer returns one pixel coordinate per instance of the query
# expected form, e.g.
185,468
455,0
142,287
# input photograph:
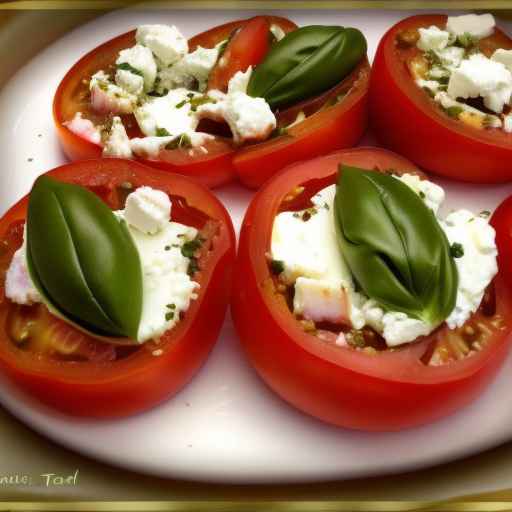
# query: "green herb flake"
189,248
485,214
171,306
180,142
276,267
169,316
453,112
167,247
200,100
180,104
456,250
422,194
124,66
162,132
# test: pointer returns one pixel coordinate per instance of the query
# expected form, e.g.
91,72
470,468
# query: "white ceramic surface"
226,425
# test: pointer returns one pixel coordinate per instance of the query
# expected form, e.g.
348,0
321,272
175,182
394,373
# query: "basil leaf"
306,62
394,246
83,259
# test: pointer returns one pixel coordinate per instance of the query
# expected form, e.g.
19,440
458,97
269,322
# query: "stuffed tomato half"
113,286
244,98
441,95
358,304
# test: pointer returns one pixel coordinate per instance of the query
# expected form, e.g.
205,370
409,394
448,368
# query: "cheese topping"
306,247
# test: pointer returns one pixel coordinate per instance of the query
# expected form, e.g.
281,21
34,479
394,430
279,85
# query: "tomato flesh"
440,144
247,47
356,388
77,374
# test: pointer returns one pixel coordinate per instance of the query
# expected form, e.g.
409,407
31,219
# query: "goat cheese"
18,285
150,147
148,210
432,38
320,300
171,113
433,195
117,143
191,71
277,32
503,56
85,128
476,25
166,42
248,118
480,76
476,267
130,82
141,59
109,98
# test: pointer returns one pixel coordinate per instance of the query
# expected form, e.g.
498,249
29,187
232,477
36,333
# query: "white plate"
226,426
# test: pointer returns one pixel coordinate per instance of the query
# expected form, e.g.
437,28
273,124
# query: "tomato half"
408,121
335,120
76,373
369,390
212,168
501,220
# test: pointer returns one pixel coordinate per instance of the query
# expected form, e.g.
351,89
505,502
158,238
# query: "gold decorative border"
253,4
488,502
259,506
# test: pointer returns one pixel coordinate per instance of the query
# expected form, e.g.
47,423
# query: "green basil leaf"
83,259
306,62
394,246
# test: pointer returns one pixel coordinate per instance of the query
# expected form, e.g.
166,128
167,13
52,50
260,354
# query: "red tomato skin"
336,385
247,48
337,127
405,120
142,380
501,220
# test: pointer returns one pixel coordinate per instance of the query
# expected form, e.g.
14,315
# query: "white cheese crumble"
476,25
167,287
130,82
148,210
109,98
248,118
432,38
84,128
166,42
150,147
480,76
324,287
476,267
117,143
141,59
171,112
193,69
18,285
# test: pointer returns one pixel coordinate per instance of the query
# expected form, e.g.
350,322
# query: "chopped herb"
429,91
180,104
171,306
30,159
355,339
453,111
193,267
326,206
466,40
124,66
422,194
222,47
456,250
485,214
162,132
276,267
167,247
200,100
169,315
189,248
280,130
190,95
296,215
158,94
181,141
443,80
309,213
433,58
